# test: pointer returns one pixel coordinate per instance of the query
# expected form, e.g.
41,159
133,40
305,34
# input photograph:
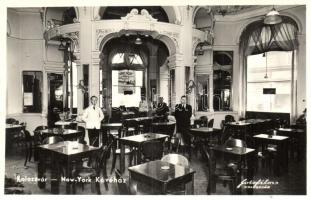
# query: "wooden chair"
152,150
220,173
99,164
210,123
204,121
176,159
117,153
229,118
29,147
11,121
122,186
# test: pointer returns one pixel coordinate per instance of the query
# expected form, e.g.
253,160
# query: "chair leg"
105,175
26,156
114,159
97,186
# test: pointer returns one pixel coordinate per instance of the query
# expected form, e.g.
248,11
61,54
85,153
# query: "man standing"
183,113
162,108
93,116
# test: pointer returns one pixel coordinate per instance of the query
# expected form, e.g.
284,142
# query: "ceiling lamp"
138,41
273,17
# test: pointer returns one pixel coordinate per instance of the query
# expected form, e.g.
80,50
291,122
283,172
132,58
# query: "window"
133,59
32,91
222,79
271,70
202,92
126,88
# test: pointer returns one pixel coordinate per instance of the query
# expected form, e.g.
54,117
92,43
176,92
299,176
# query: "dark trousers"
94,136
184,130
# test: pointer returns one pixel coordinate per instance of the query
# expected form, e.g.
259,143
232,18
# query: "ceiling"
228,9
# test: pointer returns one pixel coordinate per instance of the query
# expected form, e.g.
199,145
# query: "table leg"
164,188
250,172
55,171
41,171
138,155
122,157
239,174
68,175
192,185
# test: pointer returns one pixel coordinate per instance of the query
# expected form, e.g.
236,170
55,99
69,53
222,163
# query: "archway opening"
130,72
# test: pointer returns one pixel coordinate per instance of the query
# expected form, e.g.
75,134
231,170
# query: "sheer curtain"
259,38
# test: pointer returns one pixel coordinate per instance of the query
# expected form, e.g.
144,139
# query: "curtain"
286,36
144,57
128,52
259,38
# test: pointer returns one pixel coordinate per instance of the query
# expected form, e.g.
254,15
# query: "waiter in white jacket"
92,117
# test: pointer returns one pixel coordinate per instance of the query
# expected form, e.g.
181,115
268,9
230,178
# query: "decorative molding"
74,37
135,16
174,36
100,34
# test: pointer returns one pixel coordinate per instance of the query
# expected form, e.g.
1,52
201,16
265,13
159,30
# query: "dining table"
245,158
61,155
162,176
63,123
263,140
136,141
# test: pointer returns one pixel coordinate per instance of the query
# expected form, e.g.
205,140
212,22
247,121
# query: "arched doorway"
130,70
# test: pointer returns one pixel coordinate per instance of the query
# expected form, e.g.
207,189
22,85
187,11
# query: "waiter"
183,113
92,117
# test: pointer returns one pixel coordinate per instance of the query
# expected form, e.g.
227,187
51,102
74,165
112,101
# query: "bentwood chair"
204,121
210,123
99,163
176,159
223,173
152,150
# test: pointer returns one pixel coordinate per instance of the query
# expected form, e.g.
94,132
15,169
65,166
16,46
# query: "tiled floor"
293,183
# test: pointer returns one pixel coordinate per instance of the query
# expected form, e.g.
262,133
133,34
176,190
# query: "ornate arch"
172,12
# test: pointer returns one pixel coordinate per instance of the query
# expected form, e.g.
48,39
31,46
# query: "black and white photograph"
135,98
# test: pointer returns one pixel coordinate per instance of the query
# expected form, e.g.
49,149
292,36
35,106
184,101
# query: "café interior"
241,68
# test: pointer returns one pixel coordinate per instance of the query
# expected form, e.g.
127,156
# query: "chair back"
52,140
27,135
176,159
129,123
235,143
104,153
152,150
11,121
40,128
210,123
71,126
204,121
122,186
229,118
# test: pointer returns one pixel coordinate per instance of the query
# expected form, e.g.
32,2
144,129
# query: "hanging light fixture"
266,55
273,17
138,40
